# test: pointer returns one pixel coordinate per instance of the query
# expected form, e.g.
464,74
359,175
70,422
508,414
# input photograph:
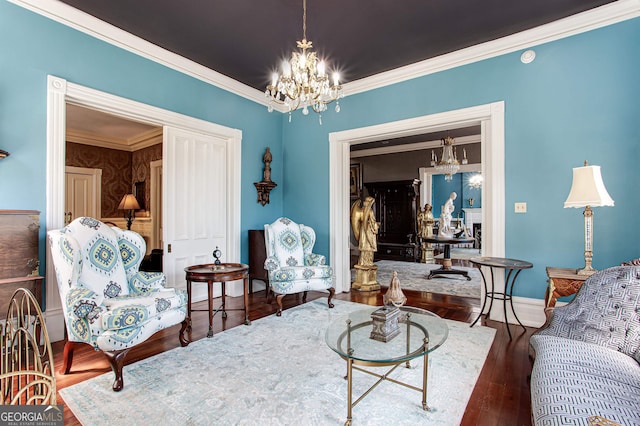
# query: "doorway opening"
59,94
489,117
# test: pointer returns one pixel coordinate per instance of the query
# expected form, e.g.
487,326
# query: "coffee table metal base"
354,364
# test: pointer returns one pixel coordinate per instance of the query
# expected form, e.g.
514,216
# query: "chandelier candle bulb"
321,68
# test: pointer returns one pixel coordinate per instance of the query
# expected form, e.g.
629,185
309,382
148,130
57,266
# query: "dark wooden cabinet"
396,207
19,260
257,256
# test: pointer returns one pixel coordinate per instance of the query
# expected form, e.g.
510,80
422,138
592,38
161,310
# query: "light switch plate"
521,207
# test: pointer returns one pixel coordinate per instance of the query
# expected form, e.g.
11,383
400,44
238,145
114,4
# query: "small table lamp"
587,190
129,204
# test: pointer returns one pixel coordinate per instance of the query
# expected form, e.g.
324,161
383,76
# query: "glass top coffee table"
418,333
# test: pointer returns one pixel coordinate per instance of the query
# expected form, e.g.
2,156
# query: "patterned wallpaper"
120,169
141,170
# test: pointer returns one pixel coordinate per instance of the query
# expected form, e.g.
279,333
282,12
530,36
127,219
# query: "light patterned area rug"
279,371
413,276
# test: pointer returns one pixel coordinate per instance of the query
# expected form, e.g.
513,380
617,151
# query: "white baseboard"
54,318
529,311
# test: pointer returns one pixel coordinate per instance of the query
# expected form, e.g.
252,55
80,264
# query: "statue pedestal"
427,253
366,278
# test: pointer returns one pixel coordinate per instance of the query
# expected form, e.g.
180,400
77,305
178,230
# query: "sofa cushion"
605,312
572,380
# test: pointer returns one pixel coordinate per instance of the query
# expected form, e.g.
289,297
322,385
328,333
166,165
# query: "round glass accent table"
419,332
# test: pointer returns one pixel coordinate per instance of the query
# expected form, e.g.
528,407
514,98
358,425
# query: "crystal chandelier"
448,163
304,80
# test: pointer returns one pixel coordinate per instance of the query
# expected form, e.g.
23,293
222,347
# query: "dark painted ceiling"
247,39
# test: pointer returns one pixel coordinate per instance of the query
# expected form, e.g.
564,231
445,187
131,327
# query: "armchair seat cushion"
301,273
135,310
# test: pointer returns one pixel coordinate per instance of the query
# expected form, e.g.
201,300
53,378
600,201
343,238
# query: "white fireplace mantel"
472,216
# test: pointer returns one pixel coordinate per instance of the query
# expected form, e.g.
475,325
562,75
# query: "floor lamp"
129,204
587,190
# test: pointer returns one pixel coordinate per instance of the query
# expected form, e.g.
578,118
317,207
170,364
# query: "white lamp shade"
588,189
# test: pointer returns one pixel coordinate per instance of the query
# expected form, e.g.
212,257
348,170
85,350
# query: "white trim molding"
602,16
490,117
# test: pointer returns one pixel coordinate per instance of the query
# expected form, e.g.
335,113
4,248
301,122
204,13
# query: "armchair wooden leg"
332,292
116,359
269,293
279,301
67,358
185,324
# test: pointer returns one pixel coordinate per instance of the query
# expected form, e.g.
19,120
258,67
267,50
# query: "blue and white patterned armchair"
107,302
292,266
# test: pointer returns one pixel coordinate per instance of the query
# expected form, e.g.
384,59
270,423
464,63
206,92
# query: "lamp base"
586,271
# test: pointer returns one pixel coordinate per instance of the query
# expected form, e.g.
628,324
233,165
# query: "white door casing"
59,93
491,120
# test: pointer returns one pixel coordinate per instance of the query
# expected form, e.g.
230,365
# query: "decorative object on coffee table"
385,323
265,186
394,296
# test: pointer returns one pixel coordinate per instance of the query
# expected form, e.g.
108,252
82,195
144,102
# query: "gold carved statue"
426,221
365,230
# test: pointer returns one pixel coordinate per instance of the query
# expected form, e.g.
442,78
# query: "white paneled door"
195,205
82,193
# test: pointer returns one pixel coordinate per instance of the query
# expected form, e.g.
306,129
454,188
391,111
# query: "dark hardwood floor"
501,395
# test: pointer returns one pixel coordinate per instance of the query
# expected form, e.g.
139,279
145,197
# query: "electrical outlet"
521,207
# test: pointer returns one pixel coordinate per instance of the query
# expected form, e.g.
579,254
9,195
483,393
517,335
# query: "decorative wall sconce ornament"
265,186
3,154
129,204
475,181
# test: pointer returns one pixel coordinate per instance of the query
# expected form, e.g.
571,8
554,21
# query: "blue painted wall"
578,100
33,47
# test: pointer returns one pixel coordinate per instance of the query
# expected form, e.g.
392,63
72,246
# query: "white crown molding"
81,21
418,146
144,140
609,14
602,16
